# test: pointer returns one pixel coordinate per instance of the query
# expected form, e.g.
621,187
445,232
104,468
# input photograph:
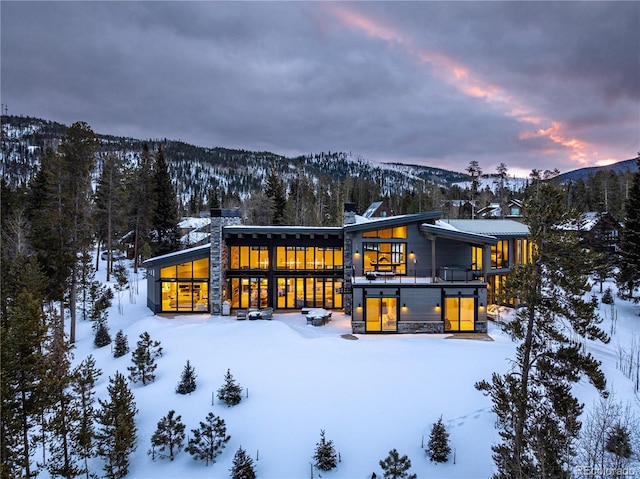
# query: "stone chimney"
218,259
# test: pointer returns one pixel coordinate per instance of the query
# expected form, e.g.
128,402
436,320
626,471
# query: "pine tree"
618,442
121,346
102,337
143,358
187,380
110,199
208,440
275,192
165,214
231,392
438,448
63,417
168,435
77,150
85,377
143,203
117,432
325,455
23,332
537,414
629,276
243,467
396,467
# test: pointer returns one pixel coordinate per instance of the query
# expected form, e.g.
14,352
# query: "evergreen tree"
243,467
187,380
537,414
276,194
396,467
77,150
121,345
208,440
117,432
169,435
618,442
231,392
23,332
102,337
142,201
325,455
629,276
85,377
438,448
110,200
143,358
63,417
165,214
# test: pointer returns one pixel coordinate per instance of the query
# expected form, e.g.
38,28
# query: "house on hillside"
391,274
601,231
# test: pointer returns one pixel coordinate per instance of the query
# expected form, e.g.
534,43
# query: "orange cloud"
555,134
465,81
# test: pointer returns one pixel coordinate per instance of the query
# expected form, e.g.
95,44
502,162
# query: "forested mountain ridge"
232,178
196,170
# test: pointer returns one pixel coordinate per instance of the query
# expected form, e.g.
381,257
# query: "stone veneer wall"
349,218
429,327
218,259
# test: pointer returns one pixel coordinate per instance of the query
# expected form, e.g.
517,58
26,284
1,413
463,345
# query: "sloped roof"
392,221
497,228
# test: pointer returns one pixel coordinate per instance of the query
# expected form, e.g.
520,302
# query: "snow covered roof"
497,228
195,251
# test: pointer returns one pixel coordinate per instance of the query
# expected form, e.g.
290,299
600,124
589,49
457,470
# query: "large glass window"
385,257
185,287
381,314
249,293
249,257
308,258
476,258
294,293
500,255
394,233
523,251
459,313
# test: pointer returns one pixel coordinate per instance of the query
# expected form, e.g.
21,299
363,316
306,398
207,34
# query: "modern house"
392,274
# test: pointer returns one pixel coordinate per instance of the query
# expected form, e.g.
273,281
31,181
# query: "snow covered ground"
370,395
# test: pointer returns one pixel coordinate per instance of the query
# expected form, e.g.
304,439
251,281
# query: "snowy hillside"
370,395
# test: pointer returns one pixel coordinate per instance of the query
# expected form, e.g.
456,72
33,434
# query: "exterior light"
437,305
357,253
404,305
482,305
359,306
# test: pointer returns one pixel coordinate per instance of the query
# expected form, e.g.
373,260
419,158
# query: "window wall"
385,257
249,292
249,257
185,287
308,258
293,293
500,255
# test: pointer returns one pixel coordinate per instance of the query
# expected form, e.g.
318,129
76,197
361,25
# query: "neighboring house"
493,210
601,231
514,209
194,231
394,274
378,209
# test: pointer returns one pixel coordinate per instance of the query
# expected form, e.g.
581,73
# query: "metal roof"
391,221
197,252
442,231
497,228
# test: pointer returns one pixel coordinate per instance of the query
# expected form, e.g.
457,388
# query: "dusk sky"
534,85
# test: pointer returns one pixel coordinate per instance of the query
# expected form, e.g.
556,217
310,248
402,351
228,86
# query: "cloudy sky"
533,85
